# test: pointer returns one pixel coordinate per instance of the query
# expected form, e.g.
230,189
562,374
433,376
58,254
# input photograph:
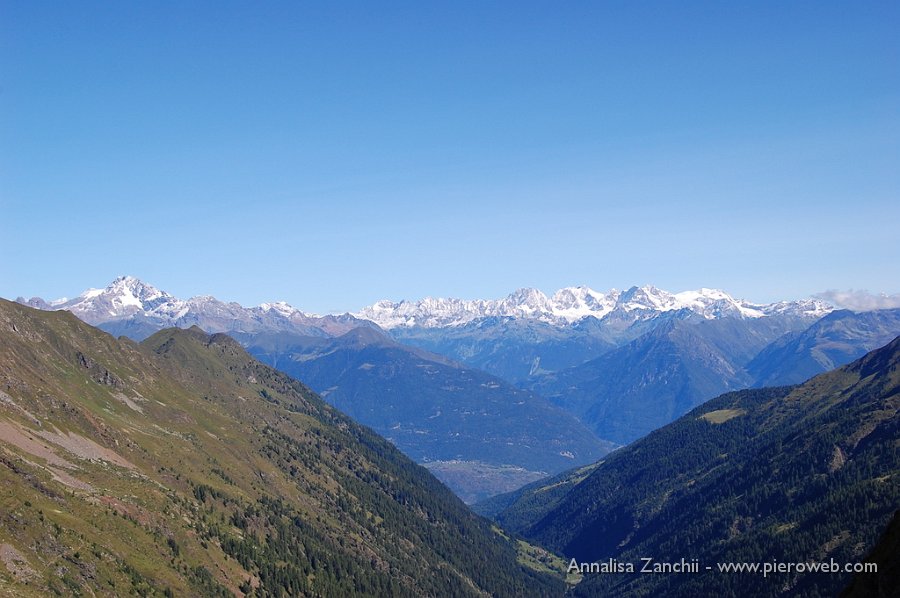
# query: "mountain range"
480,434
182,465
622,363
128,298
527,333
836,339
571,304
626,363
633,389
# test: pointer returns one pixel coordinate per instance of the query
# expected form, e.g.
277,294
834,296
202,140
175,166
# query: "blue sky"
332,154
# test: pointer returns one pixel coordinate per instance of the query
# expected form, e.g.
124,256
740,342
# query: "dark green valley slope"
804,473
885,581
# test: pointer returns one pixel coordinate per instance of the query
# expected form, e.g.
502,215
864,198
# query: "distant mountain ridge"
528,335
836,339
129,297
136,309
571,304
624,362
637,387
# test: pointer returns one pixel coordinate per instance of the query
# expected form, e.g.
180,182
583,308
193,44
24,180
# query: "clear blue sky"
334,153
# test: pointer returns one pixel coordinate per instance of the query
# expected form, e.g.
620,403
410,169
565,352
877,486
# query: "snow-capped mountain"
132,307
144,308
124,297
571,304
128,298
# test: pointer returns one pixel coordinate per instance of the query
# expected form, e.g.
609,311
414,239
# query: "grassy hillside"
183,467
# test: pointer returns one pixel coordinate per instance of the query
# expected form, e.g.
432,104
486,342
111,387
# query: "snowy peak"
527,298
129,299
571,304
281,308
429,312
123,297
574,303
131,292
648,297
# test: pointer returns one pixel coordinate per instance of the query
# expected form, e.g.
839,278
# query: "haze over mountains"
476,432
834,340
645,383
623,363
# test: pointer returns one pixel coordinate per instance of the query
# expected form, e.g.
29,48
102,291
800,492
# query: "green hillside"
183,467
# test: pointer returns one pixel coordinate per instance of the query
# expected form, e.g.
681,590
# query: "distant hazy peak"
128,298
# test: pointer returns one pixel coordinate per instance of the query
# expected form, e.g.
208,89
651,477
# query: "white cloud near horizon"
861,300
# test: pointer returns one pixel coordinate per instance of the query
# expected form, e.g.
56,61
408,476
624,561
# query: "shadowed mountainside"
792,474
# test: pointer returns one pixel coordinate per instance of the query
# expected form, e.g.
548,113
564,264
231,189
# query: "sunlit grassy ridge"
183,466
